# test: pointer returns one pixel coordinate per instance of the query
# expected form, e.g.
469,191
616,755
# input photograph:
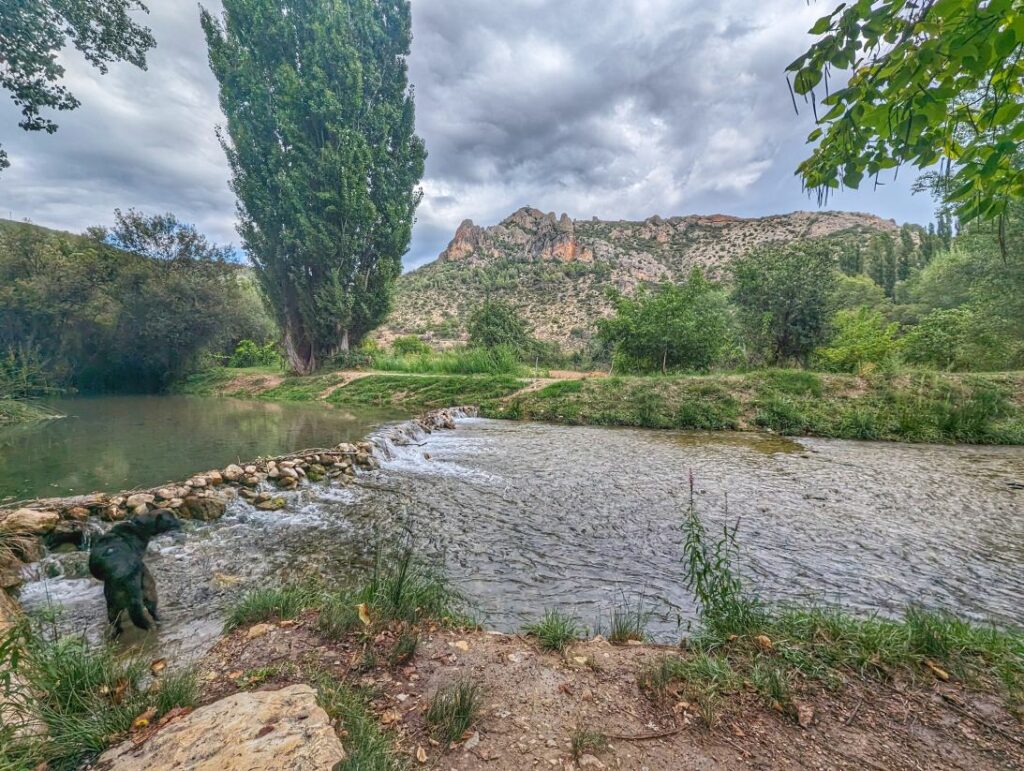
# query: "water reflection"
119,442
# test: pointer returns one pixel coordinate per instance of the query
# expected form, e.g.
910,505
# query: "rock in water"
275,730
28,521
204,509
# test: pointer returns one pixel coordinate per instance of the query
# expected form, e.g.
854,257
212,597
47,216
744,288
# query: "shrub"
495,324
861,337
409,345
251,354
941,339
677,327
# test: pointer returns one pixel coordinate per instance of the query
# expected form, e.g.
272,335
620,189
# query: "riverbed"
527,517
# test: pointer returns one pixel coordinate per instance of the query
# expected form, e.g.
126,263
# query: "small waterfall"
393,442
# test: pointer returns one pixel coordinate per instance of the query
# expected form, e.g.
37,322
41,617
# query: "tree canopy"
96,318
930,81
324,158
33,33
161,237
782,294
494,324
675,326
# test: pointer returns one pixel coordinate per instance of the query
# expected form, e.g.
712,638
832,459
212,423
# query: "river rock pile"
203,497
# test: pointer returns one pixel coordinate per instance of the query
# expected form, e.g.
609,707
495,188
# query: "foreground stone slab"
279,730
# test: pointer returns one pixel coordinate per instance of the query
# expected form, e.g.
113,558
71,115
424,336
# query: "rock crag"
557,270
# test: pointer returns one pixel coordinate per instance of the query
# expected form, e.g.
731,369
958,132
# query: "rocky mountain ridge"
556,269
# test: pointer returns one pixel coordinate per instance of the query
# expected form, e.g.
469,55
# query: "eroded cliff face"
528,234
556,270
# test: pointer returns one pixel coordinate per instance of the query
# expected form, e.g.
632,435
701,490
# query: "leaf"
158,666
364,614
937,671
144,719
421,754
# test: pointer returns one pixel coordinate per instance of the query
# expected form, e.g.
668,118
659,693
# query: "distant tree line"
925,298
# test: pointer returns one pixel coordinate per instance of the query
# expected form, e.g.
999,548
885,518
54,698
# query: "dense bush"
106,319
251,354
496,324
675,327
861,337
409,345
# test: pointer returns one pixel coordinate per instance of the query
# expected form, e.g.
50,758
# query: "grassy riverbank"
407,680
906,406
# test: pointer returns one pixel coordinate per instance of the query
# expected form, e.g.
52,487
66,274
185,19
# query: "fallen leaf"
158,666
937,671
390,716
119,690
764,642
143,720
364,613
472,741
581,660
235,675
421,754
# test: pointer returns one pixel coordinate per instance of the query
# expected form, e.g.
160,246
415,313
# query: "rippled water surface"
531,516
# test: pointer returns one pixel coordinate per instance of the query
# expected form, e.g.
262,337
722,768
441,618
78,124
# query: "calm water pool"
111,443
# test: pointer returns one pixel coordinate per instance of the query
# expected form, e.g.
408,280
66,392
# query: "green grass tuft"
453,709
272,604
628,623
586,742
85,696
367,746
555,630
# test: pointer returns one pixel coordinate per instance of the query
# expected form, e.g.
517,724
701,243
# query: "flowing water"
530,516
114,443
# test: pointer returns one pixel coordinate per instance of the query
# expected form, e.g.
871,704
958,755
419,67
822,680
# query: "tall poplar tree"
325,160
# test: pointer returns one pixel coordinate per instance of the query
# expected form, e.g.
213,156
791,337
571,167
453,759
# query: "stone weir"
34,526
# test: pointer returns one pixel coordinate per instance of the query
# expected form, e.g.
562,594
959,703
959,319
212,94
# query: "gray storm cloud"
616,109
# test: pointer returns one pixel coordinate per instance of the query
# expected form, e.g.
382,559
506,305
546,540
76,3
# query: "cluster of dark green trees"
924,298
81,313
320,139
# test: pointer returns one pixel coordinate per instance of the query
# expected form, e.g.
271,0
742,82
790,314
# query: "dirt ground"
535,701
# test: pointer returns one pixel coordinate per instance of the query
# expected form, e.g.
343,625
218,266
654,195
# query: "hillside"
556,270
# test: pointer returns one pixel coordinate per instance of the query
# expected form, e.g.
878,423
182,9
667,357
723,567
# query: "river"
111,443
529,516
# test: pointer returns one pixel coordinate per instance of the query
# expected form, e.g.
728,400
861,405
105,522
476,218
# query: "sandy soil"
535,701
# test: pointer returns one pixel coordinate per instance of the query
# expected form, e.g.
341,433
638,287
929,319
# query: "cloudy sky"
618,108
